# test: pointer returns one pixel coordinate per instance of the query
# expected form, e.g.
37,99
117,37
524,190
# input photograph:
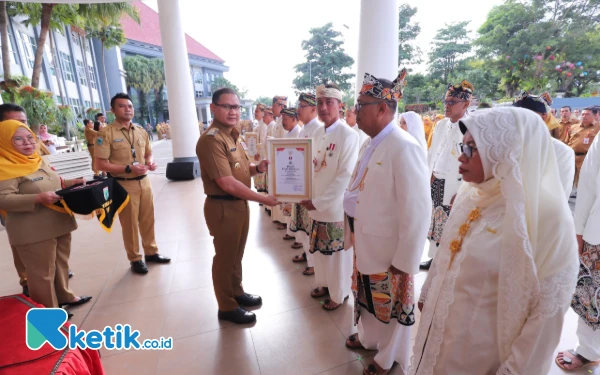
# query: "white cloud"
260,40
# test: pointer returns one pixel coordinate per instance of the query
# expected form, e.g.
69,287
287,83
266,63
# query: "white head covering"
539,258
414,125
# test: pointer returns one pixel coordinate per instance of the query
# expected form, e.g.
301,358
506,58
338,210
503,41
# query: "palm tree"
157,67
4,40
109,36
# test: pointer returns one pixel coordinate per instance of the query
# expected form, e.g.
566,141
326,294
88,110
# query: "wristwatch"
128,169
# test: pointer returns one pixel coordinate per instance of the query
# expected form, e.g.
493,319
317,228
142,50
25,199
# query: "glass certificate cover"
290,169
252,143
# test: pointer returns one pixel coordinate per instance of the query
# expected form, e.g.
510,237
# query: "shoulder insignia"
99,141
213,131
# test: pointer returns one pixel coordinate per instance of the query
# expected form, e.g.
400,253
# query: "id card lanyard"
133,154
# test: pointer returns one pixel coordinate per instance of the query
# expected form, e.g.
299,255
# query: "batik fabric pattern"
327,238
286,208
260,183
386,295
440,213
301,220
586,300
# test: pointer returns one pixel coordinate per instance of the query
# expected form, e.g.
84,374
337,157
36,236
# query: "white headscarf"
414,125
539,259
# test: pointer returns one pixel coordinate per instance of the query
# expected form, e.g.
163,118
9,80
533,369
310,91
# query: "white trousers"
288,220
432,249
335,272
305,241
391,340
277,214
589,341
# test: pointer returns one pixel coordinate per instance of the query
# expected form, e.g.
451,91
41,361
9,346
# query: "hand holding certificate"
290,169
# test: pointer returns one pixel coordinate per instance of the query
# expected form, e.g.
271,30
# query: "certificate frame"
248,138
273,144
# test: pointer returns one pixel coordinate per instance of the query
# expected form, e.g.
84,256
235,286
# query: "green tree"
4,40
264,100
326,60
157,71
449,46
139,77
109,36
408,52
221,82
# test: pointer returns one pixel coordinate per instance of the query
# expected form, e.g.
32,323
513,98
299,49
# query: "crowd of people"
487,190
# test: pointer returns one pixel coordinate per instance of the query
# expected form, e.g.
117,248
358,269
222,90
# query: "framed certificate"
290,169
252,143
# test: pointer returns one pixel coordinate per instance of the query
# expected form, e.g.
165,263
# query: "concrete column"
378,40
182,108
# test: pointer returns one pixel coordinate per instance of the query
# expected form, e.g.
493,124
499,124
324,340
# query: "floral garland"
456,244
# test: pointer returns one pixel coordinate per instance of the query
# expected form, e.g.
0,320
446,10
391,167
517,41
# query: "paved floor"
293,335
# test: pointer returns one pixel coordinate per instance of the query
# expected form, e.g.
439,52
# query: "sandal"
299,258
287,237
353,342
281,226
329,302
297,245
319,292
374,369
569,361
308,271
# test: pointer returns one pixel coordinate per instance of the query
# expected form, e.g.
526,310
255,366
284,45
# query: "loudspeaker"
183,170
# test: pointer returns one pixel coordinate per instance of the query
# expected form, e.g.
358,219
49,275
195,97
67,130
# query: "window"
198,78
67,67
81,72
13,54
59,100
87,44
92,78
88,104
97,105
29,47
77,109
199,93
50,58
75,38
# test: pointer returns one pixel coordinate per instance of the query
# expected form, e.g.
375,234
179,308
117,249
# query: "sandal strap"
583,360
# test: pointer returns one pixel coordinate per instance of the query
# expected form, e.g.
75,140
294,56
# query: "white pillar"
182,108
378,40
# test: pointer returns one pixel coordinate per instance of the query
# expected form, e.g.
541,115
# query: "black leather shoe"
82,300
157,258
249,300
426,265
26,290
238,316
139,267
71,274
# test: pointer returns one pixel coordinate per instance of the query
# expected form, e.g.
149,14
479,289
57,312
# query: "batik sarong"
260,183
286,208
586,300
439,213
301,220
386,295
327,238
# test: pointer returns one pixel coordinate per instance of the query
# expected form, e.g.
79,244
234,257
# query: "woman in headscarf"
428,124
40,234
413,124
438,118
49,140
496,295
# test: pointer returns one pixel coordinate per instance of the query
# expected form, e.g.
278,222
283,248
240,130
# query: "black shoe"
26,290
69,315
238,316
82,300
426,265
139,267
249,300
71,274
157,258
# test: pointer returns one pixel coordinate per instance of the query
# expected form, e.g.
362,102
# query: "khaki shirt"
90,136
28,222
561,133
41,148
580,138
221,154
114,143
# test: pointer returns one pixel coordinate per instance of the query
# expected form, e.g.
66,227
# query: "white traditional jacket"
587,208
444,151
309,130
280,132
362,136
338,146
295,132
263,134
393,208
565,156
271,128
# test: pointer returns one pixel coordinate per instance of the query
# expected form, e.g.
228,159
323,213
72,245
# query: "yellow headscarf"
551,121
428,125
13,164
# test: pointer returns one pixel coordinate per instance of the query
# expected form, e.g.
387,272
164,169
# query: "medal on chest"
330,149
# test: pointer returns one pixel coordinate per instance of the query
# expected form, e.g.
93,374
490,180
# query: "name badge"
586,141
244,146
118,140
37,179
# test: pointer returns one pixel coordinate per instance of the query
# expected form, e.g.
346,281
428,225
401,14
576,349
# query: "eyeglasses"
467,150
20,141
303,106
230,107
358,106
451,103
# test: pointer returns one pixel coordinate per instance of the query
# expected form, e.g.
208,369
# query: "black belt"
580,153
225,197
128,179
351,223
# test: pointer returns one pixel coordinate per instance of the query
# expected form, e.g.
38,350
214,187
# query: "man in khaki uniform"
123,150
566,122
580,138
226,170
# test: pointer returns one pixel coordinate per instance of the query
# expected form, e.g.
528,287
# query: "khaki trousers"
94,168
21,271
138,217
228,223
47,264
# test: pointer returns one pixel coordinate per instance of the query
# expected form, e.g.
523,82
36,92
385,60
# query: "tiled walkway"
293,335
